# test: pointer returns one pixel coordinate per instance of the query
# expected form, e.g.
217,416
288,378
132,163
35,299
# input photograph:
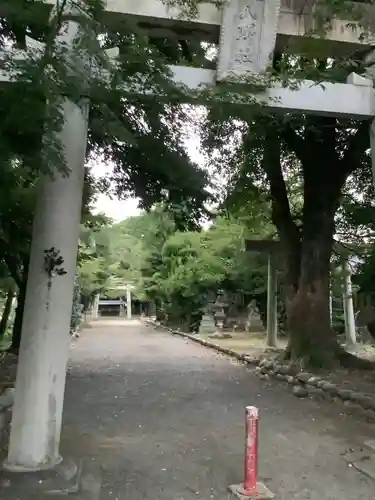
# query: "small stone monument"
207,324
219,314
254,322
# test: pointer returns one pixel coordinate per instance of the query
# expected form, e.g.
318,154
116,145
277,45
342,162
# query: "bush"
77,310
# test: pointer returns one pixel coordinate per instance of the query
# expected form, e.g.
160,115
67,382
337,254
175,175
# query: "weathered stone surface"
64,479
263,492
264,376
320,383
253,321
356,455
369,445
365,401
247,40
300,392
331,388
286,369
252,360
290,379
345,394
303,377
371,404
366,466
313,381
316,391
354,396
268,364
207,324
280,376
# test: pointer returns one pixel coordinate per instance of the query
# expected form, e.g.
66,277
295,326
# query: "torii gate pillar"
350,330
128,302
272,301
95,306
270,247
40,385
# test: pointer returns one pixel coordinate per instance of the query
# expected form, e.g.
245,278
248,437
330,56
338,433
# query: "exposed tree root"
349,360
287,354
339,357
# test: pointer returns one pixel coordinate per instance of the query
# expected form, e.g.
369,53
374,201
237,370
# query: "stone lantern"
207,324
218,310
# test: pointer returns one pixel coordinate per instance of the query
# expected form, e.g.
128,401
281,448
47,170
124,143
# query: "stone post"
128,302
40,385
350,331
152,308
330,304
272,301
95,306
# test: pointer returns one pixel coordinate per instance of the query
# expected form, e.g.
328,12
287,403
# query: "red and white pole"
251,488
251,451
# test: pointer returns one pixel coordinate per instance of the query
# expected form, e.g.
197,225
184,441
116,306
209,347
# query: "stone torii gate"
247,32
272,249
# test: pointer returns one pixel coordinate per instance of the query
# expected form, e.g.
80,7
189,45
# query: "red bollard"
251,451
251,488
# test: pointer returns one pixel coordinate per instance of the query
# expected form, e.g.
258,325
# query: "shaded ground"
252,343
255,345
164,418
8,370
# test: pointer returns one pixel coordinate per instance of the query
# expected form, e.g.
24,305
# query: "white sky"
119,210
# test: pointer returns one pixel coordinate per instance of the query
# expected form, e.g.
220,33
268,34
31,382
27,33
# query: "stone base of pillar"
263,492
62,479
207,324
67,478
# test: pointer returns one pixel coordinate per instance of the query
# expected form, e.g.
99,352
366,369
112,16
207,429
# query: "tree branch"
295,143
13,269
186,50
281,213
357,145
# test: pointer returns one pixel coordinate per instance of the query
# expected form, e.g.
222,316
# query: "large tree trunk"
311,337
312,340
308,245
6,311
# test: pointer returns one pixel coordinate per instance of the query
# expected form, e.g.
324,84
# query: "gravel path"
164,419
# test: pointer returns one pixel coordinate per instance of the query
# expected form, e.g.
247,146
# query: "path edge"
304,384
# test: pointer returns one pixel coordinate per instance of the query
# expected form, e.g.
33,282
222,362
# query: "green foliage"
178,270
365,277
142,136
77,309
184,269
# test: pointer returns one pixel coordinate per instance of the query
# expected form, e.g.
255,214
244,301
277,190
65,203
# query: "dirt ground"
255,345
164,419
